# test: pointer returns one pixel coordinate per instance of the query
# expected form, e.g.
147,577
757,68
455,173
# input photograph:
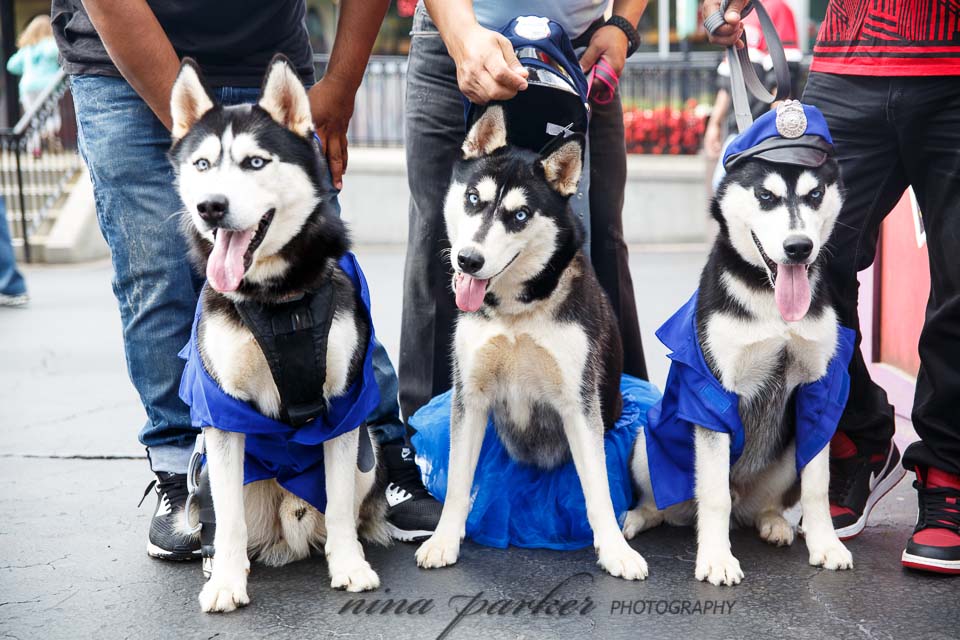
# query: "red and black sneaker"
935,544
858,481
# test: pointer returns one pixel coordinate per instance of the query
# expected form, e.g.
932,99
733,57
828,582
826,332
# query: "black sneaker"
170,536
857,482
935,544
412,513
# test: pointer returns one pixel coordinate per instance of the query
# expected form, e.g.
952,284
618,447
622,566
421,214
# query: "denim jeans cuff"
169,458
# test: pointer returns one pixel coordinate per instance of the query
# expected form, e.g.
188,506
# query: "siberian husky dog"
249,177
766,325
536,343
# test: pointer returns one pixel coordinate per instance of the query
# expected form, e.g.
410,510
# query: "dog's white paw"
620,561
719,568
833,556
639,520
438,551
352,574
223,595
775,529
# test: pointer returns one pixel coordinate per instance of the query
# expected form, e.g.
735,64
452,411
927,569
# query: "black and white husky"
537,344
249,179
766,325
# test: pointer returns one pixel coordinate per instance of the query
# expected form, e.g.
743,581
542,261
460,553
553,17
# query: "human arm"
139,48
610,42
713,136
487,67
15,63
332,98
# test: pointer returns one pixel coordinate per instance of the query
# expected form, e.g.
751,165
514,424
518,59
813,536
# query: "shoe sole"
930,564
163,554
883,487
407,536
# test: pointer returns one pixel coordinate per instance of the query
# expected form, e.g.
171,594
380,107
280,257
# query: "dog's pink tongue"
792,291
225,264
470,292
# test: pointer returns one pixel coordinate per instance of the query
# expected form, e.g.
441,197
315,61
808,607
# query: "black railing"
648,82
38,160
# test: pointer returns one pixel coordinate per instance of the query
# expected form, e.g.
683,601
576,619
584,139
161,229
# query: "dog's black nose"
798,247
213,208
470,261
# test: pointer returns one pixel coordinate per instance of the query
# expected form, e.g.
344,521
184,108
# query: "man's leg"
608,179
13,289
125,146
434,133
864,461
931,156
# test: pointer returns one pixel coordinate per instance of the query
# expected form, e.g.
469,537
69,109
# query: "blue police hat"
794,134
555,101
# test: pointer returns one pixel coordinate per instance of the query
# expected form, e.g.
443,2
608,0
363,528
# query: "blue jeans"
138,208
11,282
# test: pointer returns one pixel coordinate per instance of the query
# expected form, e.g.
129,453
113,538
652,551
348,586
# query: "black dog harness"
293,337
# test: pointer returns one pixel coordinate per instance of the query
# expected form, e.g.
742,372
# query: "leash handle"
743,76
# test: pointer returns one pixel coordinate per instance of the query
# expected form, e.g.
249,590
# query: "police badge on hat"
791,120
794,134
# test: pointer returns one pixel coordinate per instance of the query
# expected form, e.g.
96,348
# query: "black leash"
743,76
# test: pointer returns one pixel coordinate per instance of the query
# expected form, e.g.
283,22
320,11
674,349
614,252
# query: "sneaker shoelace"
408,479
173,485
935,511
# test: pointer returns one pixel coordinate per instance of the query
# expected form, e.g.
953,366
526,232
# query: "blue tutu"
521,505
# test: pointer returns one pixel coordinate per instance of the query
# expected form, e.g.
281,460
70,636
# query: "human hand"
713,140
487,67
610,43
728,34
331,105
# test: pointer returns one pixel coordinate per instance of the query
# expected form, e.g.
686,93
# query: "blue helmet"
555,100
794,134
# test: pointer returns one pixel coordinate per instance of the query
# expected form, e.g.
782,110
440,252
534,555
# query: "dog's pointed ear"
487,134
284,97
189,99
562,162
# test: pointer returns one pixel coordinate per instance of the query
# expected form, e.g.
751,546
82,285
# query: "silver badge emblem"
791,120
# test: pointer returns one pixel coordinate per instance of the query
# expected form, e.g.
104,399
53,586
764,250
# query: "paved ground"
72,563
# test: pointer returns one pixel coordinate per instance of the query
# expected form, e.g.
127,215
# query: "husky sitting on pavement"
536,343
278,369
759,373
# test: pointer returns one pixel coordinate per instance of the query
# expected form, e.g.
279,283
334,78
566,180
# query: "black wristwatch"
633,36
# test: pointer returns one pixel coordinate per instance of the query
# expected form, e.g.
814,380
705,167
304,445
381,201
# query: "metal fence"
647,82
38,159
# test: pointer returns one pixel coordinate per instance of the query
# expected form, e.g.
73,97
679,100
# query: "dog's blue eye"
256,162
473,198
816,193
202,164
522,214
765,195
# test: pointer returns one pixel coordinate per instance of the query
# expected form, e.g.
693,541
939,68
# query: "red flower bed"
665,130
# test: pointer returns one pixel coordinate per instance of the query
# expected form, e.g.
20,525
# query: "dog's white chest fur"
235,359
519,360
747,351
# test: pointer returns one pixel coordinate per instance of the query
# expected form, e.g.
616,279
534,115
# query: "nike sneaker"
858,481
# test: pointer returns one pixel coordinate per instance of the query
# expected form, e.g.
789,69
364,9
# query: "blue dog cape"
294,456
693,396
522,505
